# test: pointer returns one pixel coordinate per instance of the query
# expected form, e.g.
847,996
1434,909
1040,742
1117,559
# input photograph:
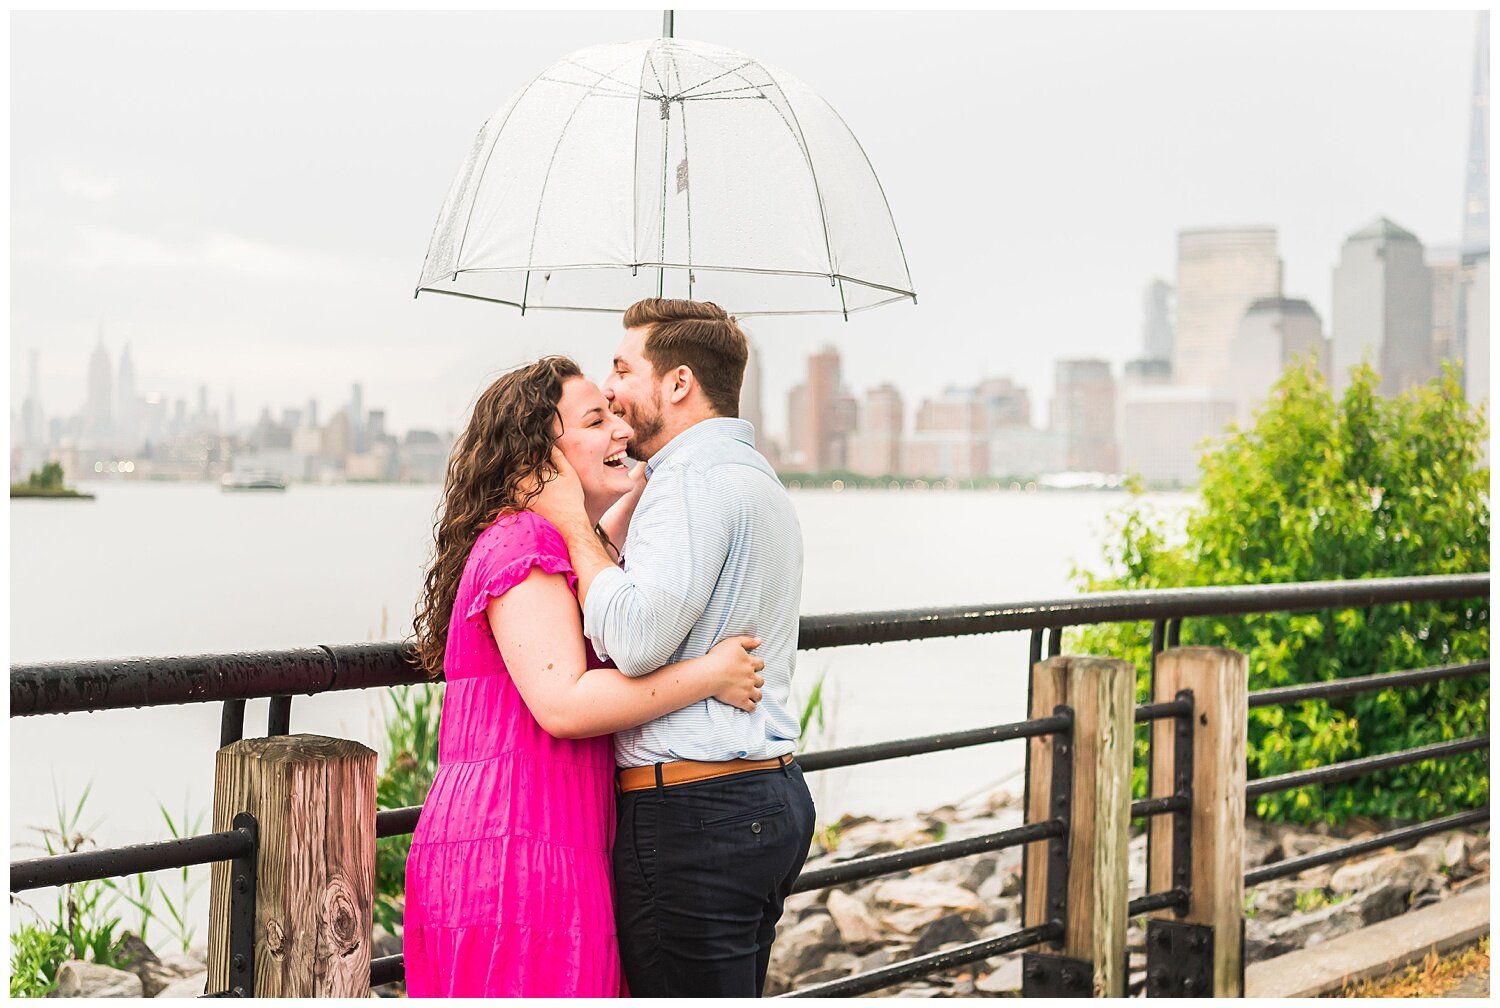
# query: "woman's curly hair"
497,467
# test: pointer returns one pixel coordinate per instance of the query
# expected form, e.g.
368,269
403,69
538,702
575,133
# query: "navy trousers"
701,874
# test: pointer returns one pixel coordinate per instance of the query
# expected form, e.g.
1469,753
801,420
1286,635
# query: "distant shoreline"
26,491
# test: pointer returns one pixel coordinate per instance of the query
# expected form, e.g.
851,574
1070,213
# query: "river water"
158,569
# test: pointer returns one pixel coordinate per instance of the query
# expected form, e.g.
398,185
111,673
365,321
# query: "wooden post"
1101,692
314,799
1218,679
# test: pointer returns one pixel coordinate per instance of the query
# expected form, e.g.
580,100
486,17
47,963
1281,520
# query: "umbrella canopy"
667,168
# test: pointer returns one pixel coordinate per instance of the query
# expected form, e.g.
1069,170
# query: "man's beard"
644,428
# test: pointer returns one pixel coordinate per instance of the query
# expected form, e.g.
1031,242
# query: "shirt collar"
704,430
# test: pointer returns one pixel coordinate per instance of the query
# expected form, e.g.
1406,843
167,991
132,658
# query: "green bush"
411,754
1318,489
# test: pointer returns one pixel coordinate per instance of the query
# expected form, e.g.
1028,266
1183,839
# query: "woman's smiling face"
593,440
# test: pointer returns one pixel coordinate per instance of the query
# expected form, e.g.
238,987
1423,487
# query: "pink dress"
508,889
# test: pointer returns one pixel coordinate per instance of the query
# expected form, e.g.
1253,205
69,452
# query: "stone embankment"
861,926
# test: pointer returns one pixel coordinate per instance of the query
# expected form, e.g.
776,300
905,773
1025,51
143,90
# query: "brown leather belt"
691,771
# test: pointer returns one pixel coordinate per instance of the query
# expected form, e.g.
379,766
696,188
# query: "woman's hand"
738,671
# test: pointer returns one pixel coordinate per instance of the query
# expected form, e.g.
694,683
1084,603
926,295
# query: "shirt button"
755,827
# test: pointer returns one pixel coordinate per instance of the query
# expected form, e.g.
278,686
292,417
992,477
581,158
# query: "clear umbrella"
668,168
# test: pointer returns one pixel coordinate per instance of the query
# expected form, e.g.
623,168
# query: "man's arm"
560,501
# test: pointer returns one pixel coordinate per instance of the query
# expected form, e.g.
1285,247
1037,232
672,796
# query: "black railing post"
242,911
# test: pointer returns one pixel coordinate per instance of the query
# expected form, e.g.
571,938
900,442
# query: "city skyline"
265,267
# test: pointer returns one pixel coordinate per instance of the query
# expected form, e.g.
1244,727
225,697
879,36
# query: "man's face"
634,393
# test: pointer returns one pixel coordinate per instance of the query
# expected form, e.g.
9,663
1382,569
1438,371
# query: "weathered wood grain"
314,798
1218,678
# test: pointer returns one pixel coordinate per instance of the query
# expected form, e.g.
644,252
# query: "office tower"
1273,333
948,437
338,436
127,407
1382,308
821,442
229,414
1165,428
357,417
796,428
1477,316
33,428
875,448
1083,412
1472,306
98,409
1005,404
1156,321
1220,272
201,418
310,417
750,393
1443,267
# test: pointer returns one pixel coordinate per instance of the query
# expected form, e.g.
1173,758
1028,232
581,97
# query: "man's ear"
683,384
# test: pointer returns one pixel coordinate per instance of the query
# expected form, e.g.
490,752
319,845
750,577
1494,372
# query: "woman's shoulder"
520,533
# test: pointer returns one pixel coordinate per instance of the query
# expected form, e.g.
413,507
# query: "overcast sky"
247,199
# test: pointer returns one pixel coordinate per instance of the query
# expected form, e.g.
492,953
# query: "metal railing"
63,687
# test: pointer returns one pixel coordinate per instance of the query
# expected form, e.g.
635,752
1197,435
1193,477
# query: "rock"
187,987
778,980
1260,849
911,919
945,930
1004,979
131,952
984,804
157,976
1403,869
980,871
1274,900
1381,903
918,892
803,946
835,967
875,959
803,904
855,924
76,978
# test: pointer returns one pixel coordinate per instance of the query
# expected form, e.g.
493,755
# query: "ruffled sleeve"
505,554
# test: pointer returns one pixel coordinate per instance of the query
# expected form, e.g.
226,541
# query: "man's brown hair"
700,335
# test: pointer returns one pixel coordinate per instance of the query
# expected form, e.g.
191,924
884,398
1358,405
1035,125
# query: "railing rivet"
241,884
239,963
1034,970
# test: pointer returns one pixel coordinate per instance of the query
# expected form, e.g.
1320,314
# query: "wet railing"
63,687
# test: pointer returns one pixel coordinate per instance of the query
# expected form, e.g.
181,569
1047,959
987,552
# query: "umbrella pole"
666,24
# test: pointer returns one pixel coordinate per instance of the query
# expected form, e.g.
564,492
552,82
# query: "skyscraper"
1472,305
1156,321
99,407
1442,266
127,408
1273,333
1382,308
1220,271
824,384
357,417
875,448
1083,412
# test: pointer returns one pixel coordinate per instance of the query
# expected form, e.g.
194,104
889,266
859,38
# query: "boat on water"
253,479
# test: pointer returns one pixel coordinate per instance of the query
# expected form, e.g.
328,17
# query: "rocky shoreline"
849,929
853,928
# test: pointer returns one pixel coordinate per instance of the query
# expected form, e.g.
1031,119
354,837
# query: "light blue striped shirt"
714,550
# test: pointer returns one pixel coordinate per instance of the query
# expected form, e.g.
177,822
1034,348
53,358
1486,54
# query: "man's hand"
560,499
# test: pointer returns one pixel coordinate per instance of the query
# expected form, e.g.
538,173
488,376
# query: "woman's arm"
540,634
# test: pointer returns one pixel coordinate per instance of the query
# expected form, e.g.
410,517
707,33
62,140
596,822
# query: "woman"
508,890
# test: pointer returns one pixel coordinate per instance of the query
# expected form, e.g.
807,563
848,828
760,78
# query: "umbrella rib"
458,251
603,74
710,80
687,183
795,128
685,96
541,199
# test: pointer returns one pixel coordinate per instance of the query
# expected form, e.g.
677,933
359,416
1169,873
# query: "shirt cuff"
607,583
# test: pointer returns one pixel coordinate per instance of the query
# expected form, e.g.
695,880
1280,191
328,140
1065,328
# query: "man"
714,816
